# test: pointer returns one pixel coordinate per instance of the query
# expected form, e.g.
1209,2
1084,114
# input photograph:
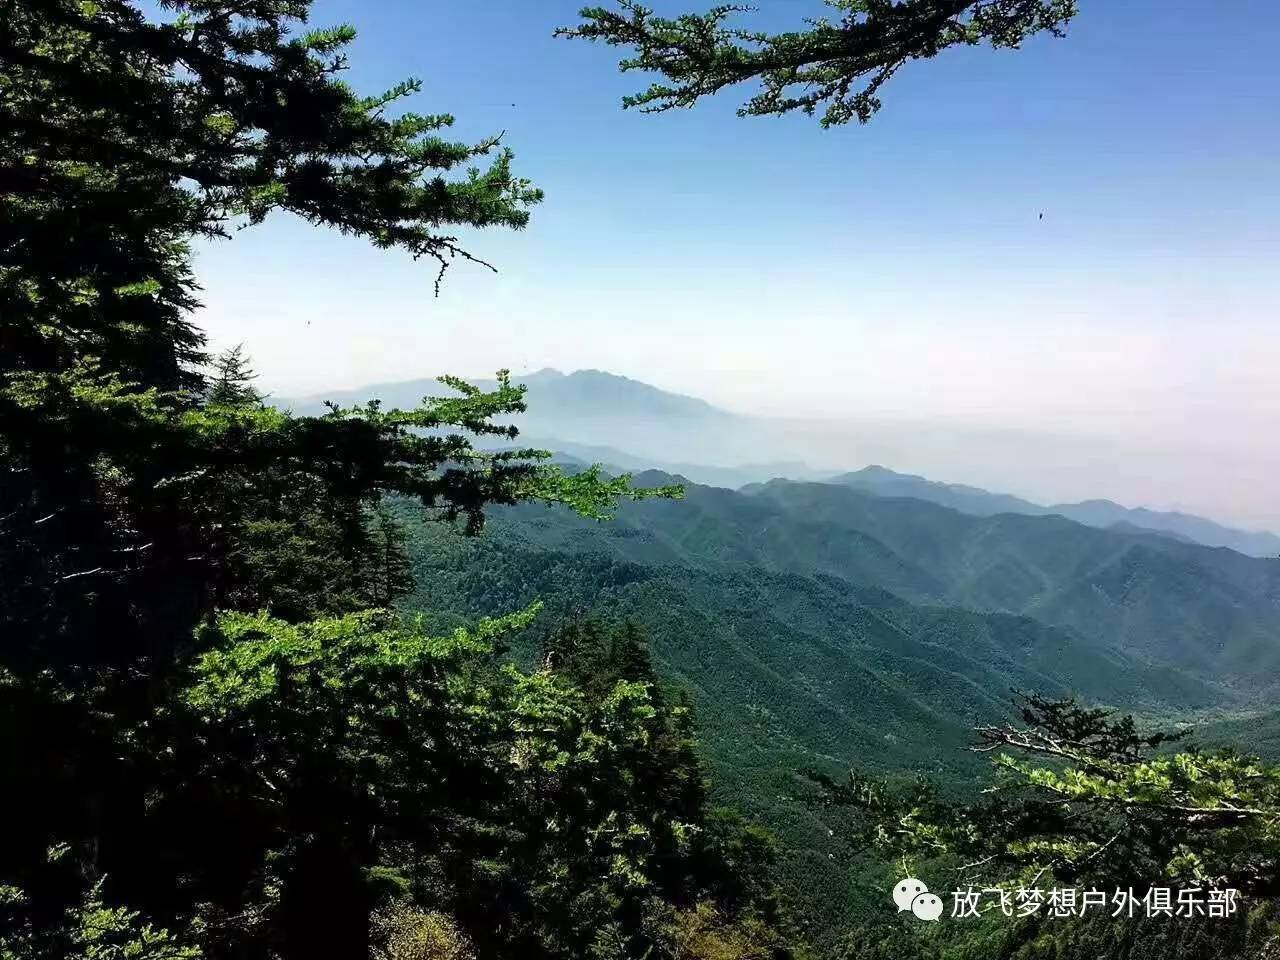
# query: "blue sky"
899,269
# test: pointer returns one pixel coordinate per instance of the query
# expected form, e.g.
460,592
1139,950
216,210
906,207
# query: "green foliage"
420,793
1081,795
536,812
231,380
596,658
838,64
405,933
88,929
1081,798
170,129
1244,937
123,138
388,574
702,934
177,505
241,774
759,603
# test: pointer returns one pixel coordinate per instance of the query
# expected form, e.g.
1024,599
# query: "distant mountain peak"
594,393
596,414
875,470
1106,514
586,393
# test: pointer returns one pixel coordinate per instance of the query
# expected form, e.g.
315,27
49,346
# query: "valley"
818,627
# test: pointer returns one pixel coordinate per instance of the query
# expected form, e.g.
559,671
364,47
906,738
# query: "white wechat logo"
912,894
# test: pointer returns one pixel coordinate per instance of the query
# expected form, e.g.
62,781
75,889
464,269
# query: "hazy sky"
899,269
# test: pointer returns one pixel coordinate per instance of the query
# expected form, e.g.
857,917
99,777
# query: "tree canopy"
1083,795
838,65
226,741
130,475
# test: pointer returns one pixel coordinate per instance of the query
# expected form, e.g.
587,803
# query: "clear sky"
899,269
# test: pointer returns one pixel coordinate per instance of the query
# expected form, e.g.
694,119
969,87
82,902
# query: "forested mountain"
1207,611
889,483
854,621
819,627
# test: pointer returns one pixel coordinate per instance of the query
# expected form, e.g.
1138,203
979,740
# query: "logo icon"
912,894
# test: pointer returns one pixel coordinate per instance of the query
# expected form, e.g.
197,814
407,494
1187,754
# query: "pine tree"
838,65
389,573
1084,796
231,379
633,656
141,497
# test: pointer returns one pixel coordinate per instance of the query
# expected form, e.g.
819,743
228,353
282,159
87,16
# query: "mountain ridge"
632,424
586,392
1096,512
816,627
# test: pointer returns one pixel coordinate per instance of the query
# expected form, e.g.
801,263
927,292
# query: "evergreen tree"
1085,796
631,651
231,379
839,65
385,772
142,496
390,574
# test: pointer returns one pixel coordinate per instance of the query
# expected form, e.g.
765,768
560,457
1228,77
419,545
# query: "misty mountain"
618,461
613,420
624,423
1094,513
1124,526
870,618
553,397
982,503
1104,513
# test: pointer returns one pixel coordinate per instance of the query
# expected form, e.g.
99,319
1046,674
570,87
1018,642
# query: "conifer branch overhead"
836,63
